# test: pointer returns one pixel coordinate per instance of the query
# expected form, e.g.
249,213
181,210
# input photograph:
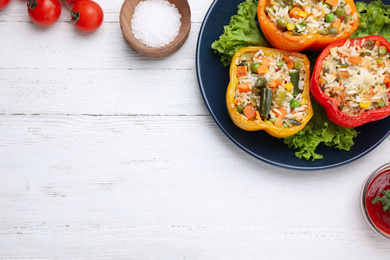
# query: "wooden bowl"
126,14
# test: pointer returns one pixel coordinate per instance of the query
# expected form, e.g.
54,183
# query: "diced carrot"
243,88
378,43
262,69
322,14
332,2
366,62
380,63
386,80
250,111
337,24
294,12
279,120
242,71
265,61
286,59
334,74
275,83
289,62
235,102
344,74
355,60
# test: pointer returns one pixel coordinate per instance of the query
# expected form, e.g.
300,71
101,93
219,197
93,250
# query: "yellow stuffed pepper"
269,90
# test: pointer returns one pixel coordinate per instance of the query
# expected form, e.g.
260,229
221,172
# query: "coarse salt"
155,23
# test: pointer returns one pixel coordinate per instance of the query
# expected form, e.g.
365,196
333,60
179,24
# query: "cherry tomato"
87,15
44,12
4,3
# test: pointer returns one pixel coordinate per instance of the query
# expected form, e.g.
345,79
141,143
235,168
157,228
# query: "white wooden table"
105,154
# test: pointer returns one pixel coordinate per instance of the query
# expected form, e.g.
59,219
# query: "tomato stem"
75,16
32,4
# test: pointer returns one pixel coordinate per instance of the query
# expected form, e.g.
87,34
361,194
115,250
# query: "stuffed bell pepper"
351,80
269,90
309,24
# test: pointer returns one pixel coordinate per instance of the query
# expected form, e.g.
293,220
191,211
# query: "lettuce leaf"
242,31
374,19
320,130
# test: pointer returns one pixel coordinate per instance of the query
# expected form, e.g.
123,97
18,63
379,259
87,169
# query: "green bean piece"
240,109
282,23
340,11
347,18
294,103
281,96
294,122
280,64
298,64
294,75
383,85
265,101
303,23
381,103
329,17
382,50
256,90
322,32
255,66
332,30
253,102
369,45
273,119
327,5
379,61
285,125
365,53
261,82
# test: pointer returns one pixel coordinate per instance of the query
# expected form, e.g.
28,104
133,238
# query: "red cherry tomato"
44,12
4,3
87,15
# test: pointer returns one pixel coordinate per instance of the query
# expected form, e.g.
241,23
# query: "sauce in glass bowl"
377,218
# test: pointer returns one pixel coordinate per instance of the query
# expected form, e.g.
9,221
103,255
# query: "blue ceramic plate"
213,79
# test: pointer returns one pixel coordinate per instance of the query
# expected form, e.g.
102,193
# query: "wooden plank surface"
108,155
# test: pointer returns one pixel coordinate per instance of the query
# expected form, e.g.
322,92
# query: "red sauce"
380,218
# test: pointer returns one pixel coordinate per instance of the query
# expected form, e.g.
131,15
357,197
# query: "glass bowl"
377,219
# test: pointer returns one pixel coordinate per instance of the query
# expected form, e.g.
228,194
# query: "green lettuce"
320,130
242,31
374,19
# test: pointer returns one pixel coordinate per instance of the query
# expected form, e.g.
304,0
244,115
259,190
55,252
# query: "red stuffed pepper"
351,80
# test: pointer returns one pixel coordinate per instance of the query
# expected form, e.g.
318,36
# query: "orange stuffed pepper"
289,25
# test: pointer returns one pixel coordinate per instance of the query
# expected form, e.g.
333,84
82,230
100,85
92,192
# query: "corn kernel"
313,17
290,26
364,105
288,86
302,13
303,101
